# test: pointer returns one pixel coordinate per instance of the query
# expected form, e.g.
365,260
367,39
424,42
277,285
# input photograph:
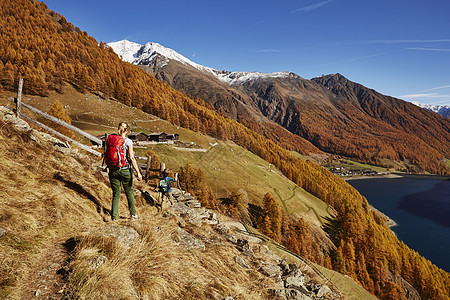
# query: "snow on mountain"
143,54
443,110
240,77
127,50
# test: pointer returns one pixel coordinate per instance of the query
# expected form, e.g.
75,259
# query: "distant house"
162,137
157,137
138,136
173,136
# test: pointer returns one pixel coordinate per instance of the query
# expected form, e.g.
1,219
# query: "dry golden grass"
37,203
154,267
129,272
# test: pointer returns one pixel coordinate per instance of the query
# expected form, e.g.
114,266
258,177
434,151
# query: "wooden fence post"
163,167
19,97
19,104
149,160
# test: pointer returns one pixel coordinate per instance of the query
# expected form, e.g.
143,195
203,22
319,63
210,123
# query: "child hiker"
164,185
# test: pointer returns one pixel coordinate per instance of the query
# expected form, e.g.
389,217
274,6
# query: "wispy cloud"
406,41
418,96
359,58
442,102
429,49
312,7
430,98
437,88
269,50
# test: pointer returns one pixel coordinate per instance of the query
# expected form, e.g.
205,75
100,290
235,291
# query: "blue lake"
420,207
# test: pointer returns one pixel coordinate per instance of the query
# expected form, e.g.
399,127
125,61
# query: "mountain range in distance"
143,54
328,113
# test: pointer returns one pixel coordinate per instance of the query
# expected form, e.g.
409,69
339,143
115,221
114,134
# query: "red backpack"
115,151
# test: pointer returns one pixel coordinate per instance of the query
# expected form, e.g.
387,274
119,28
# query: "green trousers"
119,178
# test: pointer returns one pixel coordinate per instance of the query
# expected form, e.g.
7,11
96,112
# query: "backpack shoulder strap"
104,143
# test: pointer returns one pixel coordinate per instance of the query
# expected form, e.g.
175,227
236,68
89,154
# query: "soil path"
45,277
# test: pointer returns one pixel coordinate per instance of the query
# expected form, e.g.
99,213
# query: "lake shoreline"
389,222
397,175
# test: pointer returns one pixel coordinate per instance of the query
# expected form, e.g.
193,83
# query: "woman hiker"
119,157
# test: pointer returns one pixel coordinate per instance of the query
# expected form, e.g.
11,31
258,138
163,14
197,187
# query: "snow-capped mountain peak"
150,49
126,50
443,110
143,54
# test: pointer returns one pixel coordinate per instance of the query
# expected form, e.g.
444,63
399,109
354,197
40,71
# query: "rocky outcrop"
291,282
124,235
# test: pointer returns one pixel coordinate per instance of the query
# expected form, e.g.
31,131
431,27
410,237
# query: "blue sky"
400,48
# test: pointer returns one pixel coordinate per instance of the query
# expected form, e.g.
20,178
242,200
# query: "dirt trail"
45,279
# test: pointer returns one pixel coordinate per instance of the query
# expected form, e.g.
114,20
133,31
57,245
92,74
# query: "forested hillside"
43,48
387,127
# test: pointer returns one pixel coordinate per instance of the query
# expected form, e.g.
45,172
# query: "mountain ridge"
334,114
142,54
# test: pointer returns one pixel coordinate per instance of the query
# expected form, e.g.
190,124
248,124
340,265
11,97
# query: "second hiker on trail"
164,185
119,157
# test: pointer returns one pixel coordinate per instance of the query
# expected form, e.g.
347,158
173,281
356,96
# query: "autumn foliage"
57,110
193,181
47,51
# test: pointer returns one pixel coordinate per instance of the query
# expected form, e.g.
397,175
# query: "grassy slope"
447,162
229,167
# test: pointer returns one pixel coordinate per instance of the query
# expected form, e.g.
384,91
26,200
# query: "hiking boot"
134,217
